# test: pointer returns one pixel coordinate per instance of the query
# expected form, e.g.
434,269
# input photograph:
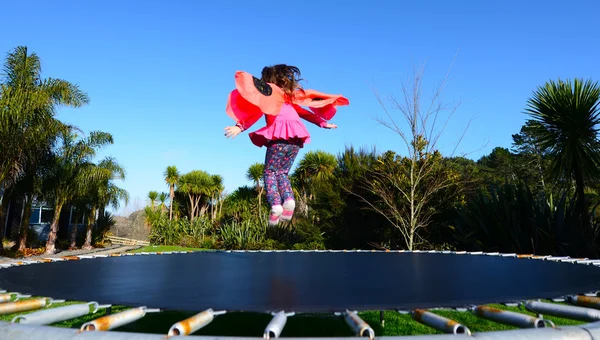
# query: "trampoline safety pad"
301,281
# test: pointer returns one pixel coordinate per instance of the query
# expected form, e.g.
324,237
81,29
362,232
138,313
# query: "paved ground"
96,251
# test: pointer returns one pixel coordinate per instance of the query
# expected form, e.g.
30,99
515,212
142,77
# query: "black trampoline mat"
301,281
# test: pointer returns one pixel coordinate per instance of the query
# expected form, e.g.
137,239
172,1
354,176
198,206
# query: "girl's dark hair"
285,76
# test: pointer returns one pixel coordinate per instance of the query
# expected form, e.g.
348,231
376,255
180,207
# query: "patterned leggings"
278,162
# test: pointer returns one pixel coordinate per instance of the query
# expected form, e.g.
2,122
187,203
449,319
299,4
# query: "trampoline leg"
48,316
109,322
511,318
275,327
194,323
585,301
357,324
439,323
563,311
23,306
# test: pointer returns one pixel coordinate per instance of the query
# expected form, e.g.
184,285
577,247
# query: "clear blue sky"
158,72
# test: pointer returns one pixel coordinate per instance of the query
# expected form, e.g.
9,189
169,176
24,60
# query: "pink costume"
284,126
253,98
284,134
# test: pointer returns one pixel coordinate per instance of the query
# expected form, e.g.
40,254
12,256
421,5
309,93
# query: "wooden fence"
126,241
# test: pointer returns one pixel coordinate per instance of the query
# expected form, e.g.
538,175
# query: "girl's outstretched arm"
232,131
313,118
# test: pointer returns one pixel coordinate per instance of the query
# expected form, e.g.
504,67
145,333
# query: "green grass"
302,325
154,249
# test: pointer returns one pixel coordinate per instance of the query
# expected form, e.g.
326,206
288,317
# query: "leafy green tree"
499,166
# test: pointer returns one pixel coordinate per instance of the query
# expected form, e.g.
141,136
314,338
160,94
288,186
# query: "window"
75,219
35,216
47,214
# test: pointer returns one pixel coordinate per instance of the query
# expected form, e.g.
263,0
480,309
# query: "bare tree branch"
405,187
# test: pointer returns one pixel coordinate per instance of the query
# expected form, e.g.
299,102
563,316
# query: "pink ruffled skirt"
290,130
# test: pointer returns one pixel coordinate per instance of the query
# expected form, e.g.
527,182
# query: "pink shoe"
288,210
276,212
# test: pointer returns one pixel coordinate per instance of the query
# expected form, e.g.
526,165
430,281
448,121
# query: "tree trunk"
74,231
171,197
3,213
101,211
51,243
220,206
88,233
260,202
192,211
197,207
584,216
25,222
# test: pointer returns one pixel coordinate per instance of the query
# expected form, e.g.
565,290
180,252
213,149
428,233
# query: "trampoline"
285,283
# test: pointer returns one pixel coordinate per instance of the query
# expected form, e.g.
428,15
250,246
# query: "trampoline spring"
8,297
563,311
558,258
48,316
109,322
275,326
23,305
357,324
574,260
194,323
584,301
439,323
511,318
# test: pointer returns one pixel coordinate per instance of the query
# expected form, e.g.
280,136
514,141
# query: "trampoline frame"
583,307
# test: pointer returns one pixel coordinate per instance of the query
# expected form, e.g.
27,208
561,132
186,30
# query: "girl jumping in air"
279,97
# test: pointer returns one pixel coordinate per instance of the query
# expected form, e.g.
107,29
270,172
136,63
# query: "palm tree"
28,105
565,118
152,196
172,178
30,184
195,184
81,209
314,168
255,173
72,172
216,188
104,192
162,198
